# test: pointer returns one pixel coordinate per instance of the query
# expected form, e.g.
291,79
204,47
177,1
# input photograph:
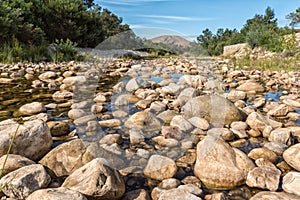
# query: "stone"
216,165
158,106
136,136
139,194
76,113
242,126
56,194
279,111
136,83
251,86
281,135
192,180
48,76
111,139
165,142
144,120
172,132
263,162
191,189
110,123
74,80
32,108
177,194
194,81
33,139
62,95
97,180
172,89
85,119
160,168
224,133
264,177
276,147
236,49
274,196
291,103
58,128
235,95
199,123
22,182
259,122
215,109
183,124
292,156
291,183
13,163
169,183
263,153
67,157
100,98
166,116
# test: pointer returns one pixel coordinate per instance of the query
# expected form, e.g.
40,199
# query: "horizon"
189,18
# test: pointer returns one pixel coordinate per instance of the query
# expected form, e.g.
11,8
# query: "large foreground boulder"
220,166
32,139
215,109
97,180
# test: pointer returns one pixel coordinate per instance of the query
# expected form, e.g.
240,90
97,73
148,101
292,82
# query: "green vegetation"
260,31
27,27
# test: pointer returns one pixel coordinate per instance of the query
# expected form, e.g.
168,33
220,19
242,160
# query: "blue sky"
190,17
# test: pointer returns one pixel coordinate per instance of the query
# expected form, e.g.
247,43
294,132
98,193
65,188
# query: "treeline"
27,27
260,31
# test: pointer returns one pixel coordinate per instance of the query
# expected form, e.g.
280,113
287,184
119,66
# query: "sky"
188,18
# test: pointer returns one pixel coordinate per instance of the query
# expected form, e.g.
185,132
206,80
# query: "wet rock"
58,128
13,163
48,76
183,124
144,120
281,135
291,182
100,98
274,196
165,142
32,108
139,194
172,132
97,180
279,111
33,138
110,123
216,165
62,95
76,113
85,119
6,80
251,86
292,156
24,181
264,177
160,168
111,138
177,194
67,157
74,80
56,194
215,109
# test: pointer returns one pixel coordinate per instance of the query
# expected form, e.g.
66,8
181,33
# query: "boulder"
56,194
13,163
67,157
97,180
215,109
292,156
139,194
22,182
281,135
32,108
58,128
183,124
236,49
279,111
264,177
160,168
251,86
144,120
33,139
274,196
218,166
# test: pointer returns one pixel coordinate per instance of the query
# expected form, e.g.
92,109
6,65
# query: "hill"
172,40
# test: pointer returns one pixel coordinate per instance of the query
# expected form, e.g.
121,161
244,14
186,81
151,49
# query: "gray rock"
217,166
97,180
33,139
167,116
169,183
32,108
110,123
22,182
291,182
264,177
177,194
56,194
276,147
13,163
160,168
215,109
281,135
136,136
292,156
193,189
172,89
172,132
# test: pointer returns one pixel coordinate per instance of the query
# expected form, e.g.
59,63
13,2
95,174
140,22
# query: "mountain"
172,40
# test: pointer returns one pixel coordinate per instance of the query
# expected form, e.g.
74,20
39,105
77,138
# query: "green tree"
294,17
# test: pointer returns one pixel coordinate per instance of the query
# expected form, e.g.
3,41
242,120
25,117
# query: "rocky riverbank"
150,129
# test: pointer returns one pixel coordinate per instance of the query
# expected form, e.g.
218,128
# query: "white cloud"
176,18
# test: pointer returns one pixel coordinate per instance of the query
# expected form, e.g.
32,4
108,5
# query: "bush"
63,50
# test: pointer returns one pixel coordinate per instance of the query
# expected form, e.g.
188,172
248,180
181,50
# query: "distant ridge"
172,40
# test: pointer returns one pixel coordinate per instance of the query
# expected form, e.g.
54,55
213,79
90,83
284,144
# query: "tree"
294,17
